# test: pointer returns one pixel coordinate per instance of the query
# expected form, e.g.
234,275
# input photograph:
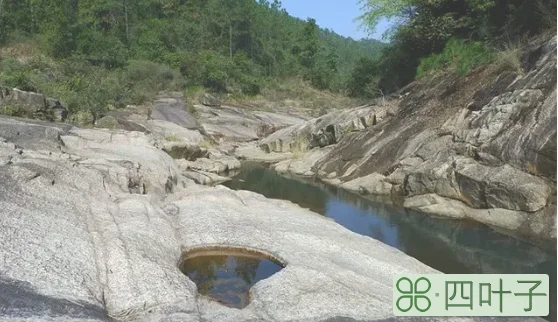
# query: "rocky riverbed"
93,222
481,147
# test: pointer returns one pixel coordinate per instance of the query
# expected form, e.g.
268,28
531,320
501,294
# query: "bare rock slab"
93,230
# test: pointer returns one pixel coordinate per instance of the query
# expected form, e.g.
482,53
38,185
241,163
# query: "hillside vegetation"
457,35
96,55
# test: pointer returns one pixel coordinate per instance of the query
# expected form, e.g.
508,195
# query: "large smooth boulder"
274,121
500,187
33,134
374,184
210,100
541,225
212,164
176,140
173,133
435,175
323,131
204,178
302,164
172,108
242,124
34,101
127,156
124,120
34,104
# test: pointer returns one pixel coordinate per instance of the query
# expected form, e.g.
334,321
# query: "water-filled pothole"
226,274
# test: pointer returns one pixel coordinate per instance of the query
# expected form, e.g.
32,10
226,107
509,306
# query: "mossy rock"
81,118
108,122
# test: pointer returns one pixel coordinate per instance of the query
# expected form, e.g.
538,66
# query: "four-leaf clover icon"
413,292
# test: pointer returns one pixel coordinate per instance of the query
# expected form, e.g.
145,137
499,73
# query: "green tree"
311,46
423,27
375,10
363,79
128,50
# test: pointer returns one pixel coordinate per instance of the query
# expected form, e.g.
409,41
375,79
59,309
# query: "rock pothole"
227,273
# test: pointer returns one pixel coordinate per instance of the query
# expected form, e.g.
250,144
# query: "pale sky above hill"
337,15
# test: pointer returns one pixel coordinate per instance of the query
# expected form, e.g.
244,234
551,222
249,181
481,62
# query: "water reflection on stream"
450,246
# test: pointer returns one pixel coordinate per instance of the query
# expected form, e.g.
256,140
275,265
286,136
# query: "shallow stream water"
451,246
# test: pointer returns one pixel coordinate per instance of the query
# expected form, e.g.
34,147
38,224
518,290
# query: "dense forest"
98,53
431,35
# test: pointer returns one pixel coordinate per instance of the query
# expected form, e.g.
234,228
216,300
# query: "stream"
450,246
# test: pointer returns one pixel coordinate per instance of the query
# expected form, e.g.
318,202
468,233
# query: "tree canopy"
226,45
424,28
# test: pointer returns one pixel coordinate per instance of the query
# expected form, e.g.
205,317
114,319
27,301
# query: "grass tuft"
173,138
458,55
15,110
204,144
532,169
508,57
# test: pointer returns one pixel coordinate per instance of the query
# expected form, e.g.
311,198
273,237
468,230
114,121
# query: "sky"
337,15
